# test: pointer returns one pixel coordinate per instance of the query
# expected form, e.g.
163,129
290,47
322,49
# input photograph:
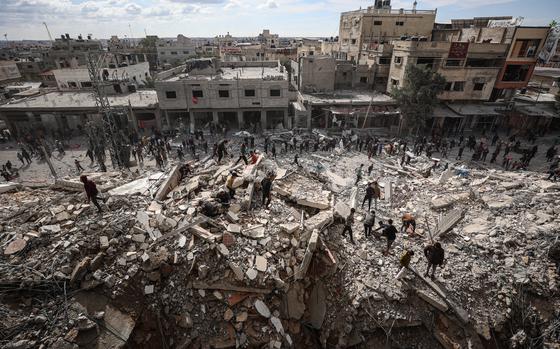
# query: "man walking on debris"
348,225
435,256
242,156
369,221
273,150
229,183
376,193
79,167
359,173
91,191
266,185
222,150
369,195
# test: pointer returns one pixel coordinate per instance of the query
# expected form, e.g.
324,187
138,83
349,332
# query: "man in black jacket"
435,256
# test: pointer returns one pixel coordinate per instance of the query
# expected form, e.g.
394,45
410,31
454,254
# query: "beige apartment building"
363,30
233,94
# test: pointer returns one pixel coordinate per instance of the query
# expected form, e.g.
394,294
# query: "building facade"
231,94
175,52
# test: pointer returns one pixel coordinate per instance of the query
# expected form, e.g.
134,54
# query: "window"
394,82
363,80
344,74
173,52
384,60
72,84
249,93
453,63
274,93
479,86
459,86
185,52
311,53
170,94
525,48
377,22
516,72
197,93
399,23
223,93
353,41
398,60
448,86
29,66
86,84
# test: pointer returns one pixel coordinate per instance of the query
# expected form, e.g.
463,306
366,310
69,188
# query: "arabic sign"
458,50
550,46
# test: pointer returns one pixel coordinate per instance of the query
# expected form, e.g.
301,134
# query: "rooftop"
347,97
81,100
241,73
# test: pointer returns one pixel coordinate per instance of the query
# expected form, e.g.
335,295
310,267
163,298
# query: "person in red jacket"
91,191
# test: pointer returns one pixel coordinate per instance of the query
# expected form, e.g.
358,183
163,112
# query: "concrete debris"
193,267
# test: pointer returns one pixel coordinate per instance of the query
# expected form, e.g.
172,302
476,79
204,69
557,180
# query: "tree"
418,96
553,23
149,42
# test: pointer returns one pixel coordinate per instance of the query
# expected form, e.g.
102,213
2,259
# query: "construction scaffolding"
111,133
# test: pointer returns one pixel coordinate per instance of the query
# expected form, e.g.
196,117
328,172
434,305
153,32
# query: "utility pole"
111,133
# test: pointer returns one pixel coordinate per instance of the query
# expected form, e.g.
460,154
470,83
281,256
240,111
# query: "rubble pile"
170,263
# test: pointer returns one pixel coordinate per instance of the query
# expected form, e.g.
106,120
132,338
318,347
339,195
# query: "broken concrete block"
317,305
237,271
311,246
223,250
261,263
289,228
433,301
262,308
232,217
242,317
45,229
80,270
149,289
234,228
140,238
319,221
63,216
185,321
182,240
277,325
228,315
15,246
252,274
103,242
228,239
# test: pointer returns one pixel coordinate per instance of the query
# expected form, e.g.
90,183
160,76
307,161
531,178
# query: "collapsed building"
166,265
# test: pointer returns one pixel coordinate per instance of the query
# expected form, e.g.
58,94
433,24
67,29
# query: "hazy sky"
22,19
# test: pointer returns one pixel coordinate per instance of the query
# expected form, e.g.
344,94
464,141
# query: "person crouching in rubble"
229,183
405,262
408,224
91,191
348,225
266,186
435,256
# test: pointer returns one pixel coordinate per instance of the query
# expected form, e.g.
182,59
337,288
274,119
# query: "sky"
23,19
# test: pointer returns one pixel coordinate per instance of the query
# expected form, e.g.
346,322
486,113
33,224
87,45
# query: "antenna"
48,31
131,36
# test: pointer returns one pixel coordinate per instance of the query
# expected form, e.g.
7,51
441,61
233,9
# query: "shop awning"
474,109
444,112
374,110
538,110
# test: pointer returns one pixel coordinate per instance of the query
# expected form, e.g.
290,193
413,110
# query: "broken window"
448,86
479,86
363,80
86,84
275,93
384,60
377,22
223,93
170,94
249,93
394,82
459,86
398,60
453,63
525,47
353,41
399,23
197,93
484,62
426,61
173,52
516,72
72,84
185,52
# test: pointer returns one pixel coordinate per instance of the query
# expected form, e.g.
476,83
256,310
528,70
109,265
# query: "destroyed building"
167,266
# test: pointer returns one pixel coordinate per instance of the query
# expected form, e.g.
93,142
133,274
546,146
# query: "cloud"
200,2
271,4
133,9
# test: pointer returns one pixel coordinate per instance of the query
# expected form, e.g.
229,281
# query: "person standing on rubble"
273,150
435,256
266,185
376,192
229,183
79,167
243,155
369,222
222,151
359,173
91,191
296,157
348,225
368,196
369,169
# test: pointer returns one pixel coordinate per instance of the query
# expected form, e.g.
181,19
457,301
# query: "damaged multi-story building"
234,94
175,52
